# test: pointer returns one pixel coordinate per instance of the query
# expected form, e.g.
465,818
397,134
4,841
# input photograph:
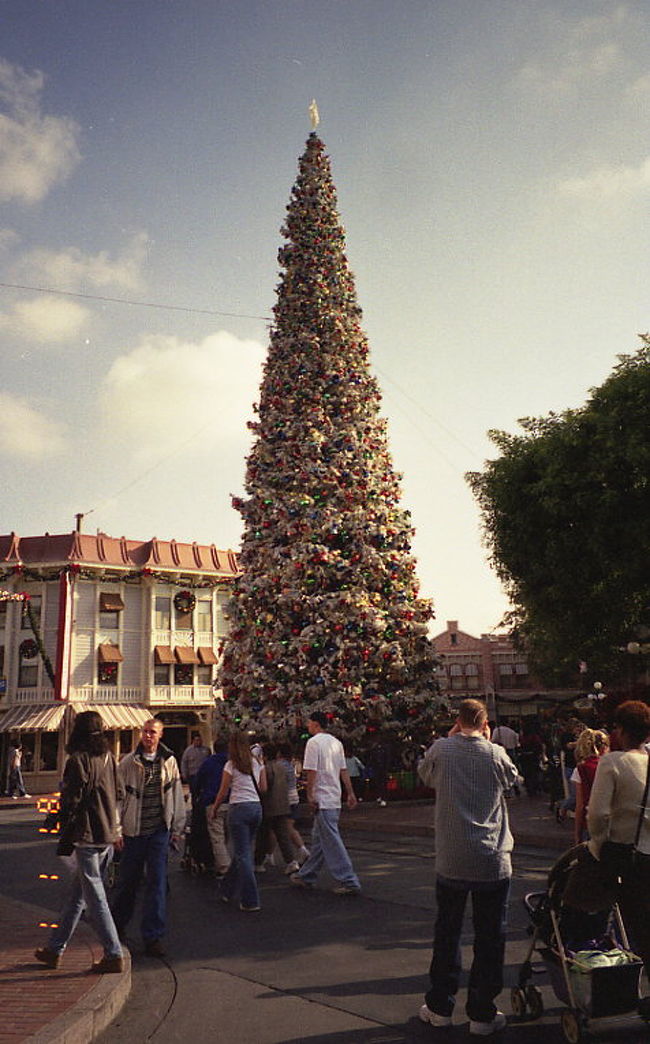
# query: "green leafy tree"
566,516
326,613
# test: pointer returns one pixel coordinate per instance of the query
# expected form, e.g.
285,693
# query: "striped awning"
29,717
207,655
109,653
117,715
162,654
185,654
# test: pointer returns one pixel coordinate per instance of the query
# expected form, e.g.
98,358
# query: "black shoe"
154,948
48,957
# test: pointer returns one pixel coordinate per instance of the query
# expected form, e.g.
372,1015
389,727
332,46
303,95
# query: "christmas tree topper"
313,114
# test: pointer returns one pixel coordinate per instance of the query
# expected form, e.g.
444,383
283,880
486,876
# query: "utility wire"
127,301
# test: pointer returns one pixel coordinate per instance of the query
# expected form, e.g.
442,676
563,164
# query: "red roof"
86,550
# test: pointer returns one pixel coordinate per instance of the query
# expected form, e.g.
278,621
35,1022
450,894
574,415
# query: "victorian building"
492,668
128,628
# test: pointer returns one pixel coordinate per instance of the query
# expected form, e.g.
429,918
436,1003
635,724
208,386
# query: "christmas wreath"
184,602
28,649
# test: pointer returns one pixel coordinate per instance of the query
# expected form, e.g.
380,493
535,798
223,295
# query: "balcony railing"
158,695
181,694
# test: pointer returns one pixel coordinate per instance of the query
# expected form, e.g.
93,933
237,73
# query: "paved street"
311,967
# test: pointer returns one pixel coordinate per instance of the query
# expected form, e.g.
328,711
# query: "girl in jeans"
245,777
89,827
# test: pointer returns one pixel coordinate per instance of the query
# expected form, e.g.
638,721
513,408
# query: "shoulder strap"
643,805
257,789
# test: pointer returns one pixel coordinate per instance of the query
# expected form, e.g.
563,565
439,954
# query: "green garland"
33,623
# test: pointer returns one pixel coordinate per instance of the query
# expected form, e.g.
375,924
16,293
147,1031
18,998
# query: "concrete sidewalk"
69,1006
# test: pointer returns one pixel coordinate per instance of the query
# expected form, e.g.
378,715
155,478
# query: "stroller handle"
531,901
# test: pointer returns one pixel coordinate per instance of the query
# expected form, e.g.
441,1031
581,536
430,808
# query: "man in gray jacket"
470,776
152,814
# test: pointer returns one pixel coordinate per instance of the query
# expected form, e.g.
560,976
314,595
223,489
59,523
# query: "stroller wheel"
534,1001
572,1027
518,1002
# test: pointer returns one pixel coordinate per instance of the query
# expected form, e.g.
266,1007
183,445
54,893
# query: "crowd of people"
244,812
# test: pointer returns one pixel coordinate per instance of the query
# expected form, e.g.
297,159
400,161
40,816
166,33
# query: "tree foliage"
566,518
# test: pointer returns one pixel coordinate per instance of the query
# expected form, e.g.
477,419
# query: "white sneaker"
432,1018
292,868
486,1029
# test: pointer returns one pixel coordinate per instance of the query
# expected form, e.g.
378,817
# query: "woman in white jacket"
614,812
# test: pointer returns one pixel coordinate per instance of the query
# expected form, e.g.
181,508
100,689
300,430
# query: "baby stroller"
590,964
196,854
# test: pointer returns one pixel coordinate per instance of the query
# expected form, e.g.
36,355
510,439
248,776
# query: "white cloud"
609,182
45,320
638,92
580,52
8,239
72,269
165,393
26,433
36,151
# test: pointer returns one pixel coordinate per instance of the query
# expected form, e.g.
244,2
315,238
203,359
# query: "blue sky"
493,172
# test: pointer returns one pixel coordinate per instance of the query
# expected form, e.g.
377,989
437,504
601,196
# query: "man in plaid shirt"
470,776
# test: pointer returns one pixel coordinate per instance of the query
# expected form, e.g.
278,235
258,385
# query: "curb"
92,1014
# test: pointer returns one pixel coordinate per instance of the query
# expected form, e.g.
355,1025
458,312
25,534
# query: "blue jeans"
146,855
244,817
328,848
16,783
88,894
489,910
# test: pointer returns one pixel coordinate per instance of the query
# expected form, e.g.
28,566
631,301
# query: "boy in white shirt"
325,768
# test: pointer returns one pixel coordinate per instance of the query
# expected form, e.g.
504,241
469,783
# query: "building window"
161,674
109,658
163,613
126,741
222,623
183,621
204,615
204,675
110,607
49,748
107,674
27,675
183,674
453,638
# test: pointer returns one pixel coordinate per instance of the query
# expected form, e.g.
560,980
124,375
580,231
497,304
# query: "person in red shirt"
590,746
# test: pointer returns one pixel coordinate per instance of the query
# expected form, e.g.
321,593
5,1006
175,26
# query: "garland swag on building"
326,612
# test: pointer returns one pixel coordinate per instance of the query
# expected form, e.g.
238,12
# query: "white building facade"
128,628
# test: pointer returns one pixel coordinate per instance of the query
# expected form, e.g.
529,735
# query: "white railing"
107,694
32,696
183,695
174,695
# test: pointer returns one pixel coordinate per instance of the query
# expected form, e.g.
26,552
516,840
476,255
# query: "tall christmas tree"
326,613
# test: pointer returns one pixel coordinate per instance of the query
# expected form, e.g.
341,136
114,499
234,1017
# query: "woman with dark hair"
89,827
614,816
245,777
